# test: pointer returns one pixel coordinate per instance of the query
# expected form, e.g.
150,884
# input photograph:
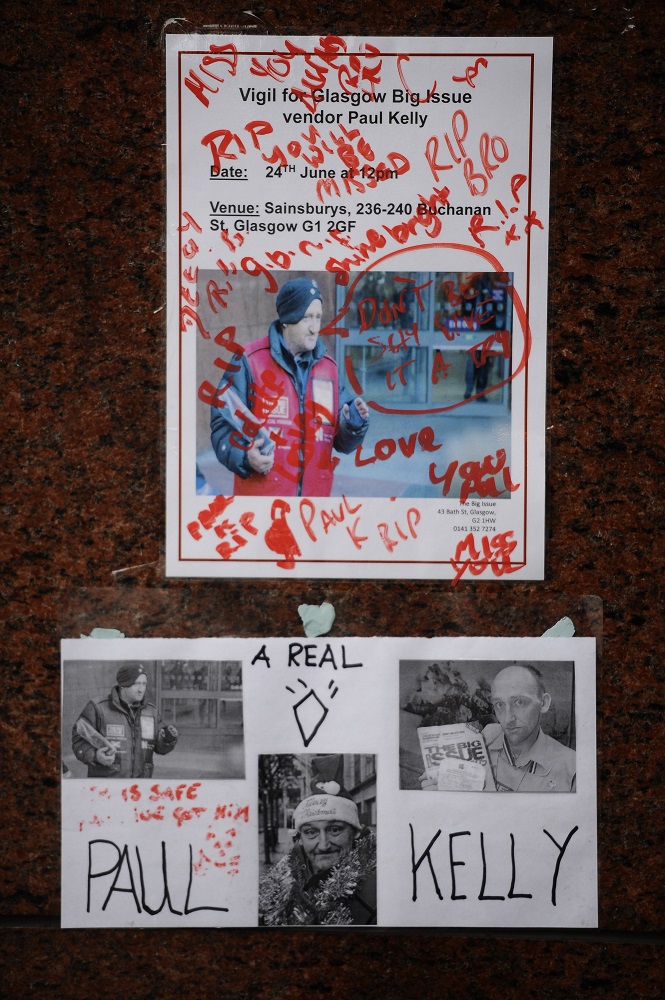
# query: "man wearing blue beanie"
299,410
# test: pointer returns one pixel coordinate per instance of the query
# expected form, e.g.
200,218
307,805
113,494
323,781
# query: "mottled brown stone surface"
82,374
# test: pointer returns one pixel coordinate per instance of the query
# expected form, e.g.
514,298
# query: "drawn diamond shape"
310,713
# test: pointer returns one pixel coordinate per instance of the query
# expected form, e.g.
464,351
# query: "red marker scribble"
215,853
471,72
359,171
385,448
210,68
492,152
223,145
477,226
232,241
231,538
217,294
532,220
189,299
419,100
360,253
511,235
95,821
189,222
358,179
279,537
488,347
425,217
496,552
217,845
174,794
330,517
229,532
188,317
232,811
182,815
361,71
215,509
494,265
149,814
477,477
384,529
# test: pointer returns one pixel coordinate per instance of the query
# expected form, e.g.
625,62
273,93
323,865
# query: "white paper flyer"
272,782
357,234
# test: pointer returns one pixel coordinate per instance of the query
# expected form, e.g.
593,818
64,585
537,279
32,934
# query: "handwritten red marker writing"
495,552
477,477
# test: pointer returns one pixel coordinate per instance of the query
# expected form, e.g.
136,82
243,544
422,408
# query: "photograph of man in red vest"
285,410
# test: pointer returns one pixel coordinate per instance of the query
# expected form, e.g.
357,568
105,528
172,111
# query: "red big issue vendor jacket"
306,427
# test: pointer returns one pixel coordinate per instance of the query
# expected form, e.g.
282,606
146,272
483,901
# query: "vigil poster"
357,233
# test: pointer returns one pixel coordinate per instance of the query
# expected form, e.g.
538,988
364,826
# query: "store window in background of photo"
198,695
429,339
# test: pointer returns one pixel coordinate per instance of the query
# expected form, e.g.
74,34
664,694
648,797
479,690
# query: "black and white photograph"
167,719
317,839
506,726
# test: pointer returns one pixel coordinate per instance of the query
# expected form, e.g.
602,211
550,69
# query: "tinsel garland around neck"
283,898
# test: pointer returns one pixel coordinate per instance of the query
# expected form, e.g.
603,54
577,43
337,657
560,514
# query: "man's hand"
169,734
105,756
361,412
427,784
258,462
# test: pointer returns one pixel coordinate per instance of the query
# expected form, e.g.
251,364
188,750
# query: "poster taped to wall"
352,782
357,288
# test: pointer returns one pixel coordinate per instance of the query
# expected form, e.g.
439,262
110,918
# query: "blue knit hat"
294,298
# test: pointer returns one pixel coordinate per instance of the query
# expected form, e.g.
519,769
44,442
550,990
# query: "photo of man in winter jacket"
116,736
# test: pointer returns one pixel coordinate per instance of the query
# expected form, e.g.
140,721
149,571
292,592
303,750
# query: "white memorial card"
357,233
271,782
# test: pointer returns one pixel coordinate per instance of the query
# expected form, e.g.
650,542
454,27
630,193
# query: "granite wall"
83,372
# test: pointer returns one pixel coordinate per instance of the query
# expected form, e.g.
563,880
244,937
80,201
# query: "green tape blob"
563,629
317,619
104,633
